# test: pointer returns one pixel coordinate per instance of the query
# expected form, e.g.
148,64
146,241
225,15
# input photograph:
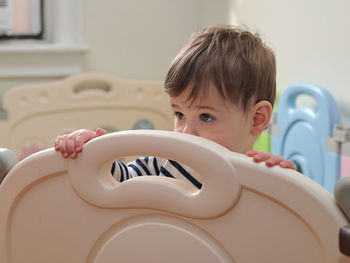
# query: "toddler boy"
221,87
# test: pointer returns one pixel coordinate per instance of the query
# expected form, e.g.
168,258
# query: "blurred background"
139,39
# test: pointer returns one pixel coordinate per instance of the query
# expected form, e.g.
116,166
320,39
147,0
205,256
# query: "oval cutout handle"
91,86
220,186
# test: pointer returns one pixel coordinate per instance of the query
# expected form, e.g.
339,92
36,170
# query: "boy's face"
213,118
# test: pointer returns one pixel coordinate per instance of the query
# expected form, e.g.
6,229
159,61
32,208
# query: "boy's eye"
206,117
179,115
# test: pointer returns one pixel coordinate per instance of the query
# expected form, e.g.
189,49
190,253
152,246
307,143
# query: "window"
21,19
40,38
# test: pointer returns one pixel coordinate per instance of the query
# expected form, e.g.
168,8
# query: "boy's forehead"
200,93
211,98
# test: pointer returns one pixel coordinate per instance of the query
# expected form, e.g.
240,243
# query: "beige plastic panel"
39,113
58,210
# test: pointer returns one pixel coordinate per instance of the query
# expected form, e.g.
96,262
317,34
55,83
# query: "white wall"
139,39
311,40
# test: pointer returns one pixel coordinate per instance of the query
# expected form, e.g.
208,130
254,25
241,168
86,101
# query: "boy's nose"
190,129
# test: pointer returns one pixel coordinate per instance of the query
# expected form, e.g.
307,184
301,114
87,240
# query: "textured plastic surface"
58,210
303,132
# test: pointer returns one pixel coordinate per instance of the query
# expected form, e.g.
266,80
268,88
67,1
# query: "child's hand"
71,144
270,160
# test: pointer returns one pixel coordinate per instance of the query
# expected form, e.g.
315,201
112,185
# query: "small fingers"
79,143
71,145
251,153
62,147
66,145
100,132
57,143
273,160
279,160
270,160
261,156
84,136
288,164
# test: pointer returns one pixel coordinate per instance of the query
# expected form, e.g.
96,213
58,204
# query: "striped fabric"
146,166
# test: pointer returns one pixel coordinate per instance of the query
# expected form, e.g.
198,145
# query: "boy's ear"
261,114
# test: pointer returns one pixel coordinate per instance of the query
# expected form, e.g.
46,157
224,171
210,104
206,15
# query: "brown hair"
235,61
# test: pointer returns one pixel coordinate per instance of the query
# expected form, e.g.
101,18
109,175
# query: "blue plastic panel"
303,132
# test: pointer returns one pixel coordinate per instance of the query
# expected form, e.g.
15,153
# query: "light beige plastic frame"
59,210
38,113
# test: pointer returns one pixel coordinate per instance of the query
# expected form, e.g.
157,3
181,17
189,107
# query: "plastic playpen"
58,210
